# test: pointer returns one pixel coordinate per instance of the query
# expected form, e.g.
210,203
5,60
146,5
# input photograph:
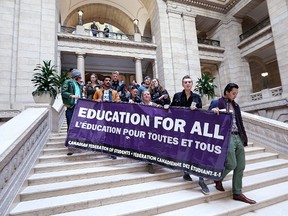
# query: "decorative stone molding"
220,6
18,158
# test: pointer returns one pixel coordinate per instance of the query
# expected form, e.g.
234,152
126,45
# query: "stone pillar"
178,48
234,68
190,34
137,37
138,68
279,21
81,64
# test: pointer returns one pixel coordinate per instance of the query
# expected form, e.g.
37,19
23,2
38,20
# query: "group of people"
95,30
153,94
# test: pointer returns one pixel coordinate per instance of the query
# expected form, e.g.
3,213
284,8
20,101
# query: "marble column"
190,34
81,64
278,15
138,69
233,68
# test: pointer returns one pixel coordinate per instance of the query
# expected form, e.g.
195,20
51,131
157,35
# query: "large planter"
44,98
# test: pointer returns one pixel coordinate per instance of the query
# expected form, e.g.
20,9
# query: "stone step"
227,206
90,184
272,165
65,157
100,160
54,145
69,175
155,197
55,151
253,158
48,206
253,150
278,209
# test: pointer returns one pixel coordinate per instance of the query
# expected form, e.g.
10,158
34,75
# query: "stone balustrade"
269,132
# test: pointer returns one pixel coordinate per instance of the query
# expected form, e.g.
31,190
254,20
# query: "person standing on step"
146,100
187,98
107,94
71,91
236,155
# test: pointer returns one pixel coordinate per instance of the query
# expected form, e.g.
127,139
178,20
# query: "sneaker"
151,169
204,188
187,177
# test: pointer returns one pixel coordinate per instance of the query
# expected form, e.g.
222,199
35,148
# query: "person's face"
147,81
146,96
106,82
115,77
232,94
93,78
69,74
134,92
155,82
187,84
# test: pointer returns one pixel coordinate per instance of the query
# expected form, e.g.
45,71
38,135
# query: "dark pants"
69,114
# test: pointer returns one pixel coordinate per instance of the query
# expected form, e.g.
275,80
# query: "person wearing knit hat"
71,91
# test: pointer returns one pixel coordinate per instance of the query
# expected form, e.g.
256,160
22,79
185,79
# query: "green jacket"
68,89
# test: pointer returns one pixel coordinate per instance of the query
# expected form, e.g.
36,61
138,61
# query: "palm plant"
205,85
45,79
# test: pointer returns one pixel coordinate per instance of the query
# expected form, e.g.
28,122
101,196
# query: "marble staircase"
92,184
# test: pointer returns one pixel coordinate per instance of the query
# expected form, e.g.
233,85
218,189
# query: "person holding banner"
146,100
106,94
71,91
236,155
187,98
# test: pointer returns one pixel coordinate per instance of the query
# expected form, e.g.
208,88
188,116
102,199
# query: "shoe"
113,157
204,188
151,169
243,198
219,186
70,153
187,177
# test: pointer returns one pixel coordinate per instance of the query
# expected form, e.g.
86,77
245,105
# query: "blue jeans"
69,114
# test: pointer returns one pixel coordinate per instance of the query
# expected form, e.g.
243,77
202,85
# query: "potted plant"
46,81
205,86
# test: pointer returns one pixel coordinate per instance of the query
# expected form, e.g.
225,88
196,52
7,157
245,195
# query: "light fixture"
264,74
265,79
80,14
136,22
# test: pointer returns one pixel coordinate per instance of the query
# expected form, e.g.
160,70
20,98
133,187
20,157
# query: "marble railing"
273,92
22,139
268,132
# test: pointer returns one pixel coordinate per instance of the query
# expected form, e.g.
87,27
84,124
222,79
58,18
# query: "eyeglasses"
185,82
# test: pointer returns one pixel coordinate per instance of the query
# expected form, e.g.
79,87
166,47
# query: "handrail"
255,29
267,131
102,34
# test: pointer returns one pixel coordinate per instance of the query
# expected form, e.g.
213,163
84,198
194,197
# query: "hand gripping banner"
195,141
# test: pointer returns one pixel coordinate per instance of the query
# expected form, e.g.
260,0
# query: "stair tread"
164,199
154,203
278,209
228,206
96,196
92,181
85,170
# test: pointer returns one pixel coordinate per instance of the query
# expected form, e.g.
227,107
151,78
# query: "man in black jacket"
236,155
187,98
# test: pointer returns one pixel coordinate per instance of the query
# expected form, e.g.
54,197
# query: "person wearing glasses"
187,98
